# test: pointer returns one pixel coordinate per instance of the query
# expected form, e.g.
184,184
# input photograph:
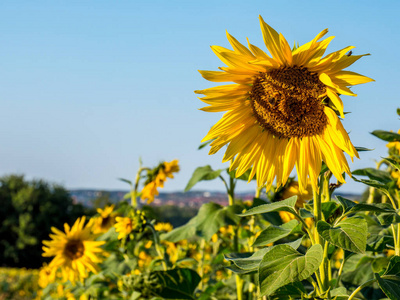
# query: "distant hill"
190,199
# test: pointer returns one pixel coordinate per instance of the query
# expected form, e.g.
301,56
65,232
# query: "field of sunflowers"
296,240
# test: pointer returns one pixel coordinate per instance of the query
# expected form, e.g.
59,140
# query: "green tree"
28,210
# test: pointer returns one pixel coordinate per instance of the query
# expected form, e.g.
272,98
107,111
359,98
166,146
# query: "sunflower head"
105,221
75,251
47,275
156,178
166,227
134,223
282,108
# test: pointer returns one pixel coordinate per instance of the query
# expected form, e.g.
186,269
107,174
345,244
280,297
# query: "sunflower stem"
157,246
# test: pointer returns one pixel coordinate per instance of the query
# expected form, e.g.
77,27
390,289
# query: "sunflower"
76,253
157,177
106,219
135,222
47,275
149,191
123,226
281,110
167,227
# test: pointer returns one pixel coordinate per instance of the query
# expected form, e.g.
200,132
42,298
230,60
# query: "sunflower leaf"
362,149
386,135
201,174
274,233
374,174
390,286
283,265
176,283
284,205
350,234
395,164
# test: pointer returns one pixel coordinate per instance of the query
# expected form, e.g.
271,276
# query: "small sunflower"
126,225
76,253
167,227
47,275
105,221
157,177
282,110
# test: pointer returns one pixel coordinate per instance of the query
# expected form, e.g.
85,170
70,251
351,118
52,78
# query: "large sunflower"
75,251
282,110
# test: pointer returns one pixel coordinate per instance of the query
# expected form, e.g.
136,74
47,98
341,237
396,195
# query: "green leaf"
290,291
375,207
398,111
386,135
202,145
390,286
350,234
328,208
394,266
250,263
395,164
283,265
182,232
125,180
210,218
284,205
376,184
361,149
176,283
346,203
389,218
274,233
245,176
339,293
374,174
201,174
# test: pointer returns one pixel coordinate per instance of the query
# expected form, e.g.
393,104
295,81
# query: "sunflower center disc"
287,102
74,249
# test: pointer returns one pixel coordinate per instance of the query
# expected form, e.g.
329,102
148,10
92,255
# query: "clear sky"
89,86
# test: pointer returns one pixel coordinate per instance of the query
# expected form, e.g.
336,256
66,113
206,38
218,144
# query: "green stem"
317,215
360,288
157,245
340,272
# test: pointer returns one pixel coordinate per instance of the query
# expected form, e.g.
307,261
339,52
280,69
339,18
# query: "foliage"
29,209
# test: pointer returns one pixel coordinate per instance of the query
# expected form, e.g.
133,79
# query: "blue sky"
89,86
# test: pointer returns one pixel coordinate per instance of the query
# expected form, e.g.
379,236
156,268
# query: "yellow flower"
281,109
293,190
47,275
286,216
163,227
144,259
396,175
76,253
105,221
149,191
124,226
337,257
161,173
395,145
